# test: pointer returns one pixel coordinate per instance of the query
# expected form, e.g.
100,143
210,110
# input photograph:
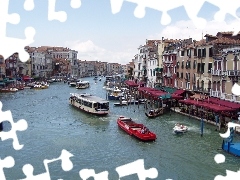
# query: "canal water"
97,142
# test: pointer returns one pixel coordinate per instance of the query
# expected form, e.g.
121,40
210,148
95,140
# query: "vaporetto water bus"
89,103
82,85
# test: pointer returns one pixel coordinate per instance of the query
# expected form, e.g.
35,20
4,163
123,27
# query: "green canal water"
97,142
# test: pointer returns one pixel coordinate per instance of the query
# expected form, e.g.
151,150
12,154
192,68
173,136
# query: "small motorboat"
123,103
179,128
137,130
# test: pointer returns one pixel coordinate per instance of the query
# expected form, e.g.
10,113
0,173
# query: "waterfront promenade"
178,110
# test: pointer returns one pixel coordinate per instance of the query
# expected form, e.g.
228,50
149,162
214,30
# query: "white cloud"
186,29
89,51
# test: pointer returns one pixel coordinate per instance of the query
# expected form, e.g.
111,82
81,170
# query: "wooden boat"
7,90
179,128
154,112
89,103
137,130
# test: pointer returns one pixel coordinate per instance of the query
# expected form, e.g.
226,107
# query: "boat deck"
90,97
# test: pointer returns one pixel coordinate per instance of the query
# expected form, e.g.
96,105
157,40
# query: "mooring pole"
201,124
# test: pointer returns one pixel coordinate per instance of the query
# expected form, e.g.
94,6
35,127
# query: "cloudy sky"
99,34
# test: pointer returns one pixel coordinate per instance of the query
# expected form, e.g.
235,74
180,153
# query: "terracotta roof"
224,40
209,35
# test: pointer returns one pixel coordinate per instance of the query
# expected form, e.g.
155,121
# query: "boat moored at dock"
89,103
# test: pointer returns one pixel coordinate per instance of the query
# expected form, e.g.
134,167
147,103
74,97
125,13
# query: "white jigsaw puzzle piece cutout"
137,167
8,45
7,162
20,125
236,89
227,7
192,9
28,5
66,164
87,173
60,15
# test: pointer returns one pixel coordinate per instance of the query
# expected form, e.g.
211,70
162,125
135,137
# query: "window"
182,53
199,53
189,52
195,52
178,64
209,67
204,52
210,52
194,64
182,64
202,67
198,67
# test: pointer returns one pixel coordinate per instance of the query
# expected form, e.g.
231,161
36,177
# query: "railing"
219,72
215,93
167,61
233,73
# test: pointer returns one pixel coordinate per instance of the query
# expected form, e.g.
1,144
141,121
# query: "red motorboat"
134,129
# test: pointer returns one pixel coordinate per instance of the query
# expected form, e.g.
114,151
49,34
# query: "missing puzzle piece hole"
6,126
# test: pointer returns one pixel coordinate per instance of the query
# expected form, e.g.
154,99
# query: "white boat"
82,85
114,94
179,128
89,103
124,103
72,84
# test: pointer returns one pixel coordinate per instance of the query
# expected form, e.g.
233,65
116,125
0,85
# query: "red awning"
222,102
25,78
204,104
131,83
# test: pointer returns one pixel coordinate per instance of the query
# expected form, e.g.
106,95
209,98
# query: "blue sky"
98,34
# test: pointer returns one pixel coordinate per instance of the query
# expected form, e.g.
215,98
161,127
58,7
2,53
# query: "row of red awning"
222,102
208,105
158,93
131,83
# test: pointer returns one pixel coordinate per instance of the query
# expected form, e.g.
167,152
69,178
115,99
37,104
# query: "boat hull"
113,97
231,148
134,129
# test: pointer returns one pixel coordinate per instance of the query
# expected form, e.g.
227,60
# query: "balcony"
233,72
167,61
219,72
215,94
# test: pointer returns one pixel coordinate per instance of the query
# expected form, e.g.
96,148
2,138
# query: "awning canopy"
206,105
131,83
25,78
225,103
